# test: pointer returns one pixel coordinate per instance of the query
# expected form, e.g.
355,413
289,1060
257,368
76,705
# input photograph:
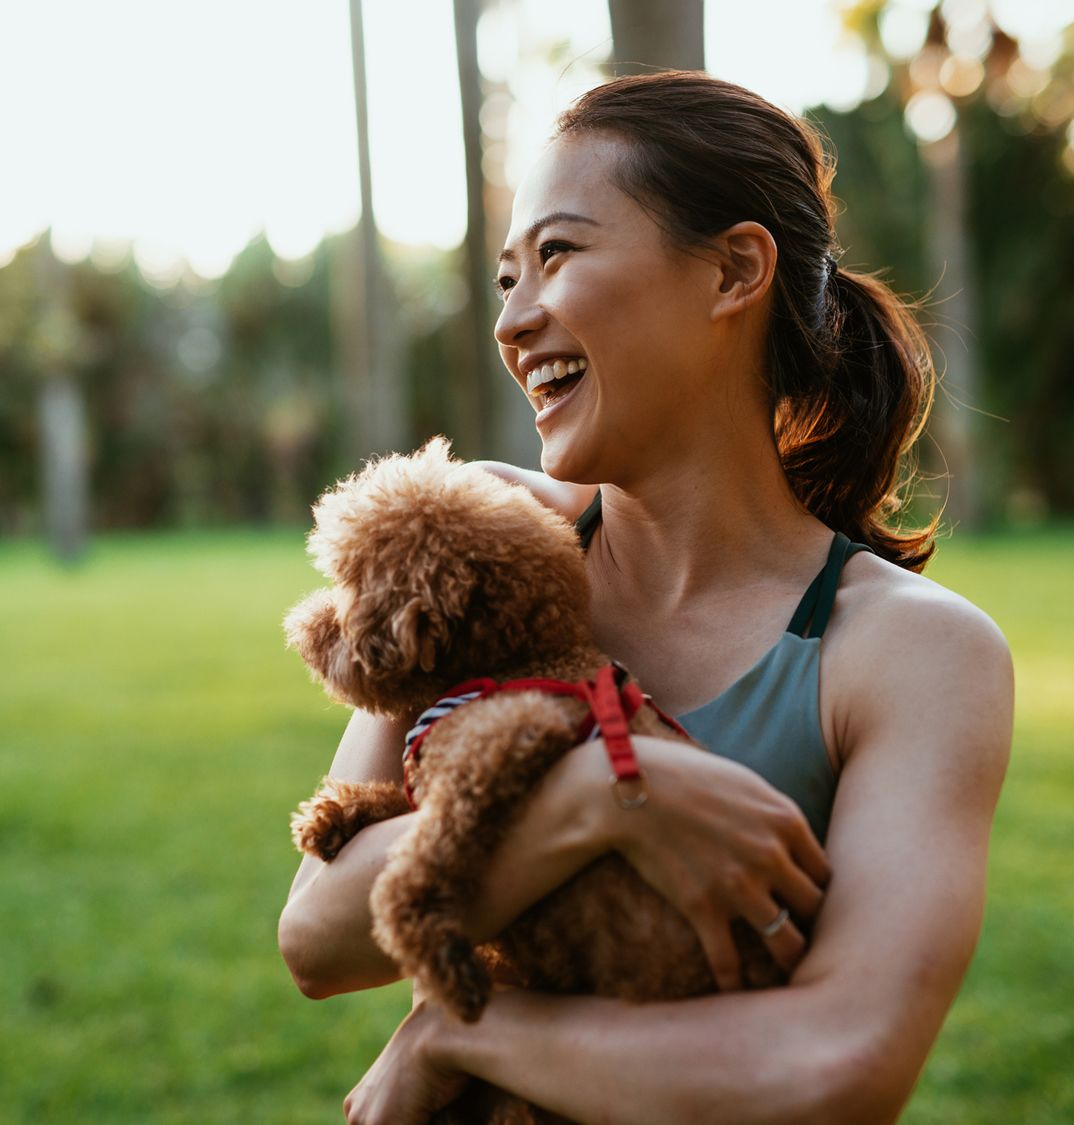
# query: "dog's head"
443,573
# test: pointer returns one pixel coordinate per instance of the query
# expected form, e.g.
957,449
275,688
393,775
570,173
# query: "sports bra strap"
815,608
586,524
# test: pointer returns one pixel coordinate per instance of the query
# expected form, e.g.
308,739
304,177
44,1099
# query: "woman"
742,399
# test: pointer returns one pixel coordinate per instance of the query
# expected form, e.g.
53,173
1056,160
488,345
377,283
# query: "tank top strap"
586,524
815,608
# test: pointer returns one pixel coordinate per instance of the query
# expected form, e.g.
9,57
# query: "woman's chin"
567,460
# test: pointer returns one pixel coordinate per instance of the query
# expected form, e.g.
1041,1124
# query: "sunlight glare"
930,115
903,30
808,62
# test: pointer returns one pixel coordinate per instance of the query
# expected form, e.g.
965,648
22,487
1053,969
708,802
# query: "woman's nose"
520,314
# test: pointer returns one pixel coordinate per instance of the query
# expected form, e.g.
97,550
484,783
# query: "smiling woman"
735,407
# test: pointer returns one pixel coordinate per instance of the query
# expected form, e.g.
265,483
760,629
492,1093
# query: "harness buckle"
638,799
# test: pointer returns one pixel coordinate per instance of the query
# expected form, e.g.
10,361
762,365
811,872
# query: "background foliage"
210,402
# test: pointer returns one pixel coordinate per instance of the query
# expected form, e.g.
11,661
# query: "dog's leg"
339,810
479,766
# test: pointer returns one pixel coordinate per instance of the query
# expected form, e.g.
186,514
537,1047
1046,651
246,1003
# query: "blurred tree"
647,36
473,418
365,320
57,344
1022,219
971,134
19,311
268,388
934,121
220,401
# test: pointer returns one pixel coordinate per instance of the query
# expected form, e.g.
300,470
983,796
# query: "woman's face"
594,294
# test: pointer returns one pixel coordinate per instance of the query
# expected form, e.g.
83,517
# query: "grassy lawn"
155,737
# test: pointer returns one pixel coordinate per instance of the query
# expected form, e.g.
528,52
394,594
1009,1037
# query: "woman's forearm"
559,830
325,928
755,1057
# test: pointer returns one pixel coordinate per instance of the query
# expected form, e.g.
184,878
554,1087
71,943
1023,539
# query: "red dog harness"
612,698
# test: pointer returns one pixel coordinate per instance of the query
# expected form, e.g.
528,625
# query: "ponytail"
845,439
850,376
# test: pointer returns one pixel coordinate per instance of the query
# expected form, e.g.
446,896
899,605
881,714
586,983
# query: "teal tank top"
769,719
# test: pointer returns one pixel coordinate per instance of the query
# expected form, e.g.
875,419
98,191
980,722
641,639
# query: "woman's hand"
410,1079
719,843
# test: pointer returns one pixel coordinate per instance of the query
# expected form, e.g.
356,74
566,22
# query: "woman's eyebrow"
534,229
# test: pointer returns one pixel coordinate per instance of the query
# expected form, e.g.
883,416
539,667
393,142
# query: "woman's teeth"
549,373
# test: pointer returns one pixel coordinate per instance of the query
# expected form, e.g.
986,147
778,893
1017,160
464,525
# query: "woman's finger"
798,891
722,955
776,929
808,853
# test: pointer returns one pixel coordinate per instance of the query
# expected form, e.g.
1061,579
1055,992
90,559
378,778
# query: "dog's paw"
319,827
339,810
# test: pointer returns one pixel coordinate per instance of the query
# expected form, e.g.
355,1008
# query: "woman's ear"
745,256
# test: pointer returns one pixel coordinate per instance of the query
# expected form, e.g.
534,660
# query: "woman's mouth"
552,381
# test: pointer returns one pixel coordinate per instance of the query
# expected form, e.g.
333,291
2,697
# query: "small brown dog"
443,573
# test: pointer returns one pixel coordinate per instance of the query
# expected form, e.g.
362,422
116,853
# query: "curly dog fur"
442,573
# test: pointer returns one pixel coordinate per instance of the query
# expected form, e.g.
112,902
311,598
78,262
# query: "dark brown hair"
850,374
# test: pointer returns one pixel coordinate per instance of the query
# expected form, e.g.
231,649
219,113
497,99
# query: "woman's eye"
548,249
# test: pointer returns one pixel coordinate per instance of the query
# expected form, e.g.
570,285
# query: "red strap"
613,700
606,700
666,719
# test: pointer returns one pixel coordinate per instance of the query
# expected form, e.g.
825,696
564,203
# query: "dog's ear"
416,630
313,627
409,641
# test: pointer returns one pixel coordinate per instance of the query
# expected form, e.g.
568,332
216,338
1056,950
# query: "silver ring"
776,924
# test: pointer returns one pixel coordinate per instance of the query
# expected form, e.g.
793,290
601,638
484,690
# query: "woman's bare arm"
748,843
846,1040
324,930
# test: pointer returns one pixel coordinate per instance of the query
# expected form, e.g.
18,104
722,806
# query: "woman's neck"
711,520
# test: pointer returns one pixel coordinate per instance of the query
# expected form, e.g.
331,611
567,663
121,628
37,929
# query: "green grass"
1005,1053
155,736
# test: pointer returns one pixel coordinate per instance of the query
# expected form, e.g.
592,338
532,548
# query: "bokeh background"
244,245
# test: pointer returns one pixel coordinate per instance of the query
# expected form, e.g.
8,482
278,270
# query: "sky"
180,131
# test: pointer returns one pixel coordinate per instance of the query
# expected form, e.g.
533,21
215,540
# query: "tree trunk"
62,420
63,456
476,391
366,319
648,36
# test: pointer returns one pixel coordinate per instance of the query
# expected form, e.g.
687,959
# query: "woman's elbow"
315,971
297,947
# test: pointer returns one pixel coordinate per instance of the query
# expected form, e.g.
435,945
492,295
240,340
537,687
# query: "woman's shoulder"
569,500
902,646
881,600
